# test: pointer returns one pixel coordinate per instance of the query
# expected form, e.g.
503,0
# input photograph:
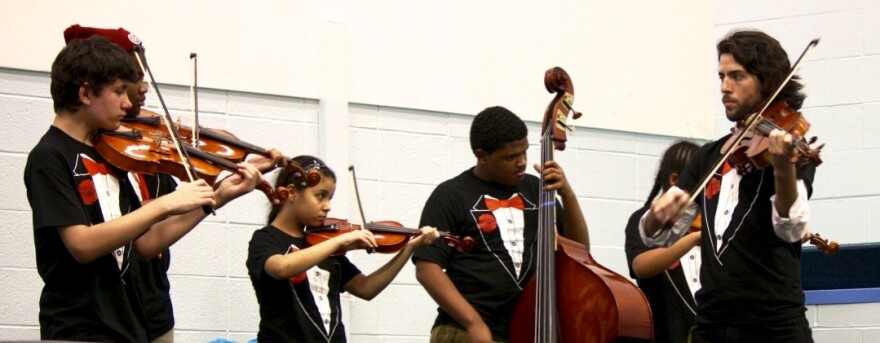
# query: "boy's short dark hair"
494,127
94,61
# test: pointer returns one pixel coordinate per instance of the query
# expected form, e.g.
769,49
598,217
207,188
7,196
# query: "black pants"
793,331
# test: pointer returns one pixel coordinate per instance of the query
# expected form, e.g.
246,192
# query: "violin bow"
357,201
194,93
755,119
169,124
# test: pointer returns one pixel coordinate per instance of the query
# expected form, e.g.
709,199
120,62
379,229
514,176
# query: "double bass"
572,298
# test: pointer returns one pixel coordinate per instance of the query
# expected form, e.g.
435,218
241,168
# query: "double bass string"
545,324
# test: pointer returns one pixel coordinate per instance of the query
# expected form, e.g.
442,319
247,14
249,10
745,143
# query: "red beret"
119,36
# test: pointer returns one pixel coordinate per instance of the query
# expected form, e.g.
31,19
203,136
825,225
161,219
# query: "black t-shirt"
152,280
672,303
490,276
304,308
68,183
754,277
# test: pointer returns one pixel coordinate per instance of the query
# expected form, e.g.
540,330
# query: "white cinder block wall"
401,154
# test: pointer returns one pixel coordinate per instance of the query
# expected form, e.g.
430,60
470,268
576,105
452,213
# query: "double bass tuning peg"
569,107
564,125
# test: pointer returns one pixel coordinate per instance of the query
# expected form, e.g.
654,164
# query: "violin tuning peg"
813,139
577,115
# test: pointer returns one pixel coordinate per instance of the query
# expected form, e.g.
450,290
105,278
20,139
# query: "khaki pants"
450,334
168,337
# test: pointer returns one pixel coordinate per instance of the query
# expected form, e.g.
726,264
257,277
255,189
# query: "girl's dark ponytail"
673,161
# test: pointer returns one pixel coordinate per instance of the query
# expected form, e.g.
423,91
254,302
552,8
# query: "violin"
750,152
217,142
697,224
390,236
829,248
150,154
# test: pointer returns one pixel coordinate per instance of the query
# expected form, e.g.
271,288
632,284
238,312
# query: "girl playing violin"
669,276
298,284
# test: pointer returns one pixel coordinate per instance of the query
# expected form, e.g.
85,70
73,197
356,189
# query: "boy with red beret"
151,282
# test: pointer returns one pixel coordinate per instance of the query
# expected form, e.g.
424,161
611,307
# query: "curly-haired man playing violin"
753,219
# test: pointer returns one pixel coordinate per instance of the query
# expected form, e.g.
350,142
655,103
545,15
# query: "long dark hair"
673,161
763,56
286,177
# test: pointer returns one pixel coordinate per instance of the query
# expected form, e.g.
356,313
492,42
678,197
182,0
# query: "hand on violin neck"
783,159
427,237
807,236
267,164
782,152
244,180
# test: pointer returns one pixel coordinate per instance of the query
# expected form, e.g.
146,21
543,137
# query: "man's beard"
743,110
740,114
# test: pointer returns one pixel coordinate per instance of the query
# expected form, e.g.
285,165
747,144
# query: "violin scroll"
830,248
304,178
462,245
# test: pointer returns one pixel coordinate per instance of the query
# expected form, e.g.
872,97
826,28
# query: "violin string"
391,229
187,165
767,126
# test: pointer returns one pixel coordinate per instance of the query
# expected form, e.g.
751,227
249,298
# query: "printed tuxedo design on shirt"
501,224
311,289
726,209
100,190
